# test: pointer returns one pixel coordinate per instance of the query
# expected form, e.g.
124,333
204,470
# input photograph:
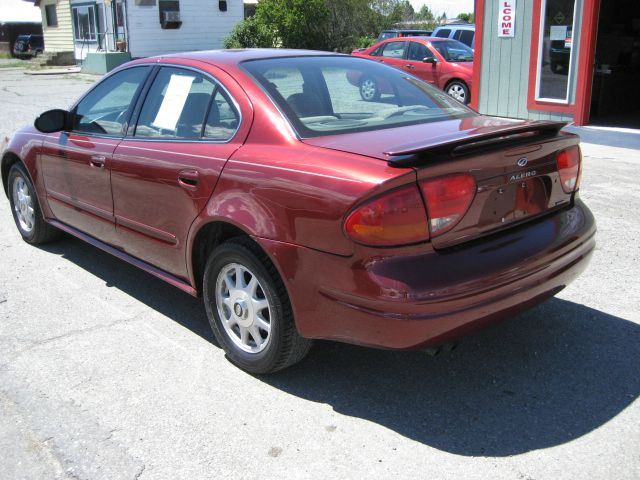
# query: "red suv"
447,64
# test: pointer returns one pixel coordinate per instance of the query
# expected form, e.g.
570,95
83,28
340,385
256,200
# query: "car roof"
405,30
457,26
235,56
422,39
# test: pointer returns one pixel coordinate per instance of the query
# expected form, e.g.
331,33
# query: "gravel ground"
108,373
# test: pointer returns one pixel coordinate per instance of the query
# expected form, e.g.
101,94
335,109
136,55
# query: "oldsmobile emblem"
523,162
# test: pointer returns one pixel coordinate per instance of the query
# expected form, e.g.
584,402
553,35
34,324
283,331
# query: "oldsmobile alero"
262,181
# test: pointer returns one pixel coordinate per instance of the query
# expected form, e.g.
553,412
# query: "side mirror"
431,60
52,121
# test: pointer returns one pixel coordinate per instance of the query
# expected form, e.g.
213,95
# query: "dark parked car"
260,180
27,46
396,32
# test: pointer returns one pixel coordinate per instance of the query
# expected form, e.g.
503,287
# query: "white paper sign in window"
173,102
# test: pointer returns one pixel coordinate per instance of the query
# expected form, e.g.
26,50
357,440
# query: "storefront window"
555,50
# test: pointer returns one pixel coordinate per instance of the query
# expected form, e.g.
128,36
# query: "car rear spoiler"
465,143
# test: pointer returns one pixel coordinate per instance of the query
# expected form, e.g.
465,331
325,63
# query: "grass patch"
12,65
5,55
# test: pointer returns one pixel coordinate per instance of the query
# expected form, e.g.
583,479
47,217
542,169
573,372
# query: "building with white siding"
153,27
141,27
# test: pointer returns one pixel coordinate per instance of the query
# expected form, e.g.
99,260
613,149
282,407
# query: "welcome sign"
507,18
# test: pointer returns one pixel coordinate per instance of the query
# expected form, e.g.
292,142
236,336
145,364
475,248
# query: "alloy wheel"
243,308
23,204
458,92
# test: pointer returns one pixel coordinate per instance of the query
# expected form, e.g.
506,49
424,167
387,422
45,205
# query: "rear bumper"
418,297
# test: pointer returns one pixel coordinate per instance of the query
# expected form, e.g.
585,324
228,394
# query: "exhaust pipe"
444,348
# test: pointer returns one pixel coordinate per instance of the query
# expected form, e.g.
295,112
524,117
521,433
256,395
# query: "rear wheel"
458,90
369,90
26,209
249,310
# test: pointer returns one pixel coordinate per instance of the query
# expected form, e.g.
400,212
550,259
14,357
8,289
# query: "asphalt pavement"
109,373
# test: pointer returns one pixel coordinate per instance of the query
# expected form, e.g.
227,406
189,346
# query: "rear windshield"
328,95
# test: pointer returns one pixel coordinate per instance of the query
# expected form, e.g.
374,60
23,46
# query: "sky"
451,7
18,11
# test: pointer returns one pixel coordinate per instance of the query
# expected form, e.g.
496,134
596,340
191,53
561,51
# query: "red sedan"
447,64
260,180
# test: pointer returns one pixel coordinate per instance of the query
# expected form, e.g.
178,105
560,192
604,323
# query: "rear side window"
443,33
105,109
393,50
176,105
223,119
466,37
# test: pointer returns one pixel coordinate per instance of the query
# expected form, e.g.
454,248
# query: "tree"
467,17
318,24
250,33
425,14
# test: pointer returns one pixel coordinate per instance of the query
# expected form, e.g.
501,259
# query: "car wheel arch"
8,160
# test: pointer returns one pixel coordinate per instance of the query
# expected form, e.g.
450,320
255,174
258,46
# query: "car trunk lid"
513,164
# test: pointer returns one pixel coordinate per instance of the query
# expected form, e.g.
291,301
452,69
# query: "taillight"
448,199
396,218
568,162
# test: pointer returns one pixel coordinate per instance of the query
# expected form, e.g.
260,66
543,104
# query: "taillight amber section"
396,218
448,199
568,162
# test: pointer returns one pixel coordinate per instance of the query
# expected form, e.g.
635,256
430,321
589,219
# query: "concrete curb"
53,71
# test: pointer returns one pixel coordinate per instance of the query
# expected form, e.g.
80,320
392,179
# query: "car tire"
26,208
369,91
249,310
458,90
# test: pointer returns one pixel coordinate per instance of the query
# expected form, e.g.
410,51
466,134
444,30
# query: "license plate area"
515,201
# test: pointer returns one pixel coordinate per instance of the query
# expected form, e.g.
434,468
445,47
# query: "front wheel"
26,209
249,310
458,90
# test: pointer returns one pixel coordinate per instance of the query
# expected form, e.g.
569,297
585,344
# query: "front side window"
105,109
84,22
443,33
555,50
328,98
418,52
393,50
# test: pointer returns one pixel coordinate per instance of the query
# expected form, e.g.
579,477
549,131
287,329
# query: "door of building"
615,99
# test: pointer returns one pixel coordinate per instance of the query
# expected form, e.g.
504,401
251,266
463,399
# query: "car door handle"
409,66
98,160
188,179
